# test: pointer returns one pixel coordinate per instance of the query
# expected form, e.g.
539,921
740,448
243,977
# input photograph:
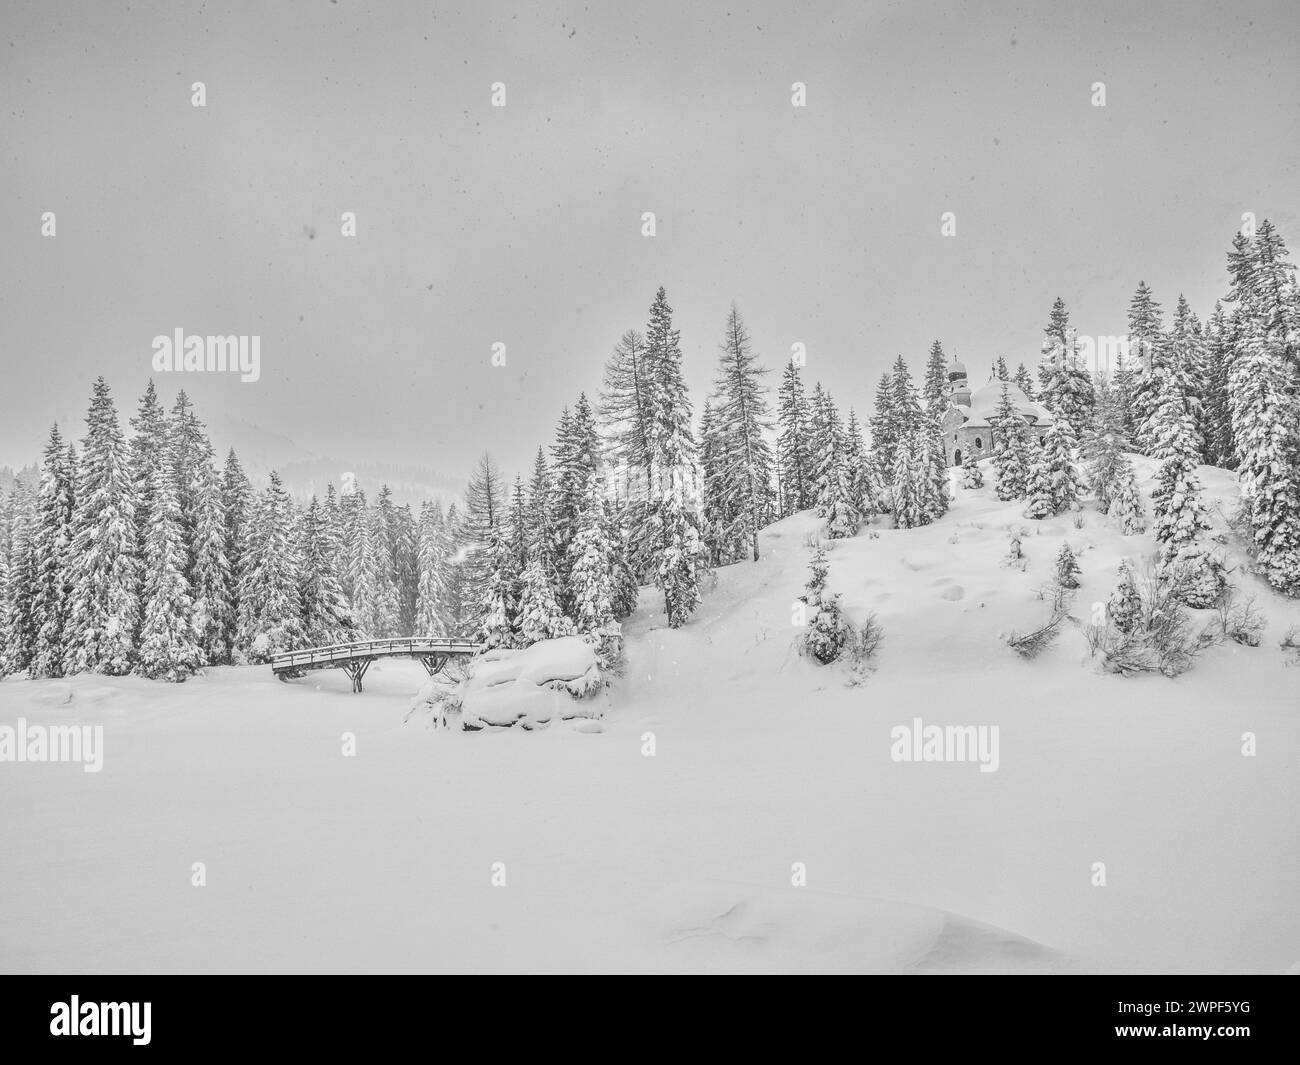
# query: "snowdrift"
530,687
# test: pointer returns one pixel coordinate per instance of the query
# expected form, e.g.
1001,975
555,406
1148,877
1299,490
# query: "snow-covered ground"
684,860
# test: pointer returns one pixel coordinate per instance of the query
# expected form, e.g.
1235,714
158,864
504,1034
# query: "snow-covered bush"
1196,575
1239,619
829,632
530,687
1154,632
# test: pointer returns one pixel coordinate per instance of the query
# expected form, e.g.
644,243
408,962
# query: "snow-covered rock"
531,686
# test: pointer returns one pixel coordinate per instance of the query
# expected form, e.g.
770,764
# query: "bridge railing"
414,645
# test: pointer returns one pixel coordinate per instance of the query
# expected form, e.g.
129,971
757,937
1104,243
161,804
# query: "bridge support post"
356,671
434,664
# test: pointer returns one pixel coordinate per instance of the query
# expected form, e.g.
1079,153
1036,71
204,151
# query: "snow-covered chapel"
966,421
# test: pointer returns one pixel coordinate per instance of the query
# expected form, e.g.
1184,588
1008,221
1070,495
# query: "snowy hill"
766,770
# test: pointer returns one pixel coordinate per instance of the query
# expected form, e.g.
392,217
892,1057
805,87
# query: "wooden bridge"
434,652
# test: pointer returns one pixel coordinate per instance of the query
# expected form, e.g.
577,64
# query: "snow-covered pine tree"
1024,380
539,614
971,475
150,443
743,419
1126,502
1039,495
20,624
540,531
575,461
1104,445
673,530
236,504
433,613
459,593
1059,447
623,583
627,414
884,423
1220,449
211,581
1125,604
591,571
485,509
1011,450
1067,567
935,390
827,631
793,446
833,481
1066,385
714,523
1000,371
1186,360
1266,404
326,615
104,574
1147,351
499,607
1180,515
51,542
935,461
910,481
270,605
864,488
168,650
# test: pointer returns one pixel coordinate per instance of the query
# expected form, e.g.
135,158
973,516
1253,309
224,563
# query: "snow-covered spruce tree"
485,509
326,616
627,414
188,445
743,417
104,572
1126,502
51,542
713,522
168,650
459,592
591,571
1011,452
236,504
1265,403
270,606
211,587
677,554
1125,604
833,481
397,533
575,459
971,476
910,483
1067,568
1024,380
934,461
539,532
794,455
623,584
1186,361
935,391
884,424
149,448
1147,350
1180,515
1104,446
1220,448
1039,494
1066,385
863,479
499,608
827,631
539,614
905,401
1059,448
432,615
1000,370
20,624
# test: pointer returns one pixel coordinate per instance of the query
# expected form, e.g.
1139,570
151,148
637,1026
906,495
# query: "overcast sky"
522,224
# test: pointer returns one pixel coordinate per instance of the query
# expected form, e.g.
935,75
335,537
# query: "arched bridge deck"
433,652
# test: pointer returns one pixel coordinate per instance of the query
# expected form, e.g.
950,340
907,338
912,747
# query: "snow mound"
531,686
719,927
